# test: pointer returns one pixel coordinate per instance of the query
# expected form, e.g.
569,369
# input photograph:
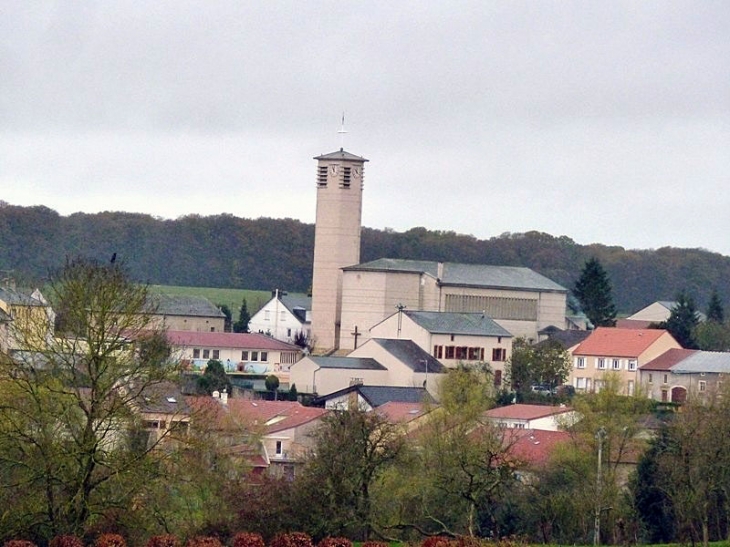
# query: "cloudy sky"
606,122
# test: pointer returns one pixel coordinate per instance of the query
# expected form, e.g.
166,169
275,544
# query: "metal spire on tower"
342,131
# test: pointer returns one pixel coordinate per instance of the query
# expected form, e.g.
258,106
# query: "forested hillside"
225,251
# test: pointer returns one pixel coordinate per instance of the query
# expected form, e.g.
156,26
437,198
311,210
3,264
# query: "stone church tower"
336,240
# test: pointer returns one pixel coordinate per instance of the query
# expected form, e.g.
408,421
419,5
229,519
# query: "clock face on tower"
333,169
356,172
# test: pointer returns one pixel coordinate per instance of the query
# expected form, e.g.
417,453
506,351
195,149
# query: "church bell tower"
336,240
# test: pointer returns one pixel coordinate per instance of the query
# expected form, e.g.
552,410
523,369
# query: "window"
206,354
580,383
666,378
461,352
449,352
452,337
196,353
346,176
703,386
282,315
264,356
475,354
244,356
438,352
499,354
631,387
279,448
288,332
616,364
267,315
632,365
254,356
601,363
212,329
216,354
497,378
651,378
580,362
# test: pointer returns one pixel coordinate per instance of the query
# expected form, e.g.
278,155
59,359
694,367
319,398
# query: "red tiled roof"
668,359
615,342
253,341
397,412
282,414
533,447
526,412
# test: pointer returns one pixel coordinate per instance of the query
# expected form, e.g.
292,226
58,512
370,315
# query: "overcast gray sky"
608,122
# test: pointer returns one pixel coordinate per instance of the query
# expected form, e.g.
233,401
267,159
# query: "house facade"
518,299
185,313
452,338
283,317
239,352
378,362
679,374
617,351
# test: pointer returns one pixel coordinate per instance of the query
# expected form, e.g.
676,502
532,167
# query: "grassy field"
230,297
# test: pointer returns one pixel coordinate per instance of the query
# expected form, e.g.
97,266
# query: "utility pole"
600,435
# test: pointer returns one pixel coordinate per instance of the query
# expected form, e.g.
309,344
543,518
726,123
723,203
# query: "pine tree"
243,318
715,311
682,321
593,291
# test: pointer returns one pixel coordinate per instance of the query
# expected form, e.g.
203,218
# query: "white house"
538,417
378,362
283,317
241,352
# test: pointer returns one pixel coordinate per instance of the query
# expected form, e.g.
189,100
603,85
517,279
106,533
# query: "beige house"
26,319
451,337
239,352
617,351
679,374
378,362
519,299
190,313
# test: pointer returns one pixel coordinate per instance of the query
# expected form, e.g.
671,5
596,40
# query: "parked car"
542,389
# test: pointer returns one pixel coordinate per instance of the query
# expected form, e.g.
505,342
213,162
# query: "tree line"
265,253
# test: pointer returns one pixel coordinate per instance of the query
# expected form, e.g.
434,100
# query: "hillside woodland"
265,253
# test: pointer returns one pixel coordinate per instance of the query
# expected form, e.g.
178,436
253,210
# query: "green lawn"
230,297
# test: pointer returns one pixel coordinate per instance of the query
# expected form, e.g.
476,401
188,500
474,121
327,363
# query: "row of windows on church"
517,309
466,353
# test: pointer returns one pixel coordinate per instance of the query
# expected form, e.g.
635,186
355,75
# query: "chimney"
440,270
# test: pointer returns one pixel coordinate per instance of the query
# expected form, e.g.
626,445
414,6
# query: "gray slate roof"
471,324
379,395
340,155
297,304
410,354
704,361
163,398
352,363
17,298
196,306
469,275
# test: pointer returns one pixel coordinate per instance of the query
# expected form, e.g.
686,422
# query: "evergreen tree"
243,318
228,322
214,379
715,311
593,291
683,321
